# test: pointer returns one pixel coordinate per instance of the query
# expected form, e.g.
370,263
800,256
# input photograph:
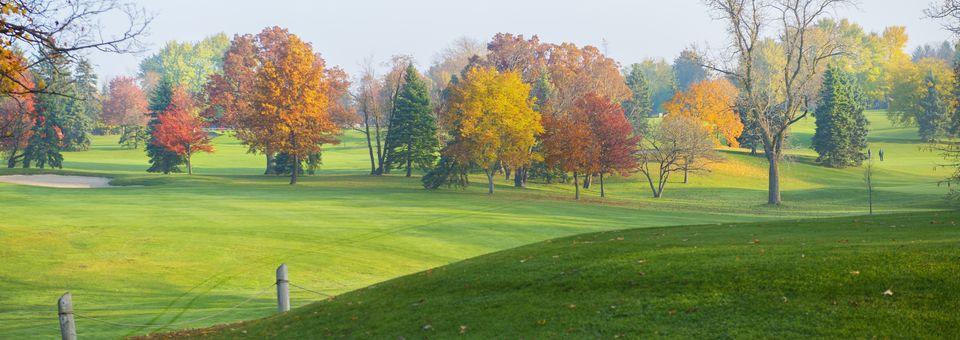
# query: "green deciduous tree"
841,128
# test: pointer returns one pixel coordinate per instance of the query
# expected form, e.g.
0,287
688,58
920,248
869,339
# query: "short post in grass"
68,329
283,289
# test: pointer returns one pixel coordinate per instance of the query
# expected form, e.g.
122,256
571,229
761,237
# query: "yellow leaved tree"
492,120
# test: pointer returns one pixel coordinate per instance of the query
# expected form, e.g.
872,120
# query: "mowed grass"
885,276
176,248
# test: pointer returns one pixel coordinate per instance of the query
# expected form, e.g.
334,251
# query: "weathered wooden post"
68,329
283,289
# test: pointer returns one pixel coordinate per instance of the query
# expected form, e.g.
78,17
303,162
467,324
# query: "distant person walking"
869,153
880,153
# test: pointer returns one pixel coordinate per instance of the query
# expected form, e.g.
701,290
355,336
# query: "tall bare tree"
775,103
367,98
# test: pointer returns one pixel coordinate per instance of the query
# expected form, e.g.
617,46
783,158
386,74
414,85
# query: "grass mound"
882,276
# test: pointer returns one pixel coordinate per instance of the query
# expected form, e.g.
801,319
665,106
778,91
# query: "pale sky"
347,31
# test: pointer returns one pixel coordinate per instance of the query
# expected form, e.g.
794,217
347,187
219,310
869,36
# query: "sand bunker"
58,181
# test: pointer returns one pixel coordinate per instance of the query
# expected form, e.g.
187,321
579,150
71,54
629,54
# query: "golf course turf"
165,250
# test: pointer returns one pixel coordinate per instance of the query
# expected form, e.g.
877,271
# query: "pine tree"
639,106
53,109
841,128
750,137
933,117
161,160
43,149
412,138
86,107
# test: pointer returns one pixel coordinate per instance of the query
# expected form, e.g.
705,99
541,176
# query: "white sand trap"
58,181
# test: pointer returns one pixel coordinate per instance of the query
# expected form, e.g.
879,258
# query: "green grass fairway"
787,279
174,248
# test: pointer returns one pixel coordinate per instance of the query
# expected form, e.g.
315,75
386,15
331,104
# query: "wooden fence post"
283,289
68,329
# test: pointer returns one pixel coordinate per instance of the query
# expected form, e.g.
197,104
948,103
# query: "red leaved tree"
17,112
613,133
180,130
125,105
569,144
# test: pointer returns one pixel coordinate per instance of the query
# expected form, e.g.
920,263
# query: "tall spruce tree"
932,119
161,159
841,128
55,106
412,138
639,106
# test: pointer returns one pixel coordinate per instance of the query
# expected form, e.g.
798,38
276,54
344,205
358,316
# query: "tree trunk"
187,159
373,161
12,161
686,171
380,152
587,178
519,177
602,194
294,170
506,172
490,174
576,185
773,187
270,159
409,161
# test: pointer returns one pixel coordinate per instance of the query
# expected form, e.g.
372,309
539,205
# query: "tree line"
514,106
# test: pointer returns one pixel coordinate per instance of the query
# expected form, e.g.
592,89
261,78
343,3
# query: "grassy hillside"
788,279
175,247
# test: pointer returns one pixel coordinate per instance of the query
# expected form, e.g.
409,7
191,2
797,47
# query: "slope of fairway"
888,276
167,250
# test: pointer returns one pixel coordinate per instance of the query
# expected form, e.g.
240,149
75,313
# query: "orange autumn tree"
180,130
291,111
570,145
278,97
595,137
493,120
711,102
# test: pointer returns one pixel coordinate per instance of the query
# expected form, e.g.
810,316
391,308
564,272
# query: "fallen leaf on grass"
463,329
855,272
888,292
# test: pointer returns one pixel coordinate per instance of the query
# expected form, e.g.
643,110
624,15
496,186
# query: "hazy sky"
347,31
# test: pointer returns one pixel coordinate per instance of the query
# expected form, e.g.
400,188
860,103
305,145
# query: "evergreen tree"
412,138
43,149
161,160
750,137
53,108
639,106
933,117
133,136
88,108
841,128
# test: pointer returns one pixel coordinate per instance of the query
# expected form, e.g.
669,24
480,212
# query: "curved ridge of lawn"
881,276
